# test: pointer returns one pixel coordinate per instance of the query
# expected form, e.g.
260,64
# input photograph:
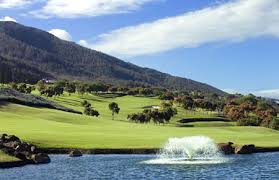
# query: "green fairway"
128,105
57,129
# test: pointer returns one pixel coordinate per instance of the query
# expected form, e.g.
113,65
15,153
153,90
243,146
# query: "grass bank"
5,158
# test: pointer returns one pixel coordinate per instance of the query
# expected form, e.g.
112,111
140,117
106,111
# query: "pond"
256,166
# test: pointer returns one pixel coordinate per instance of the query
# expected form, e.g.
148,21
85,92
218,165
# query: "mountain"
29,54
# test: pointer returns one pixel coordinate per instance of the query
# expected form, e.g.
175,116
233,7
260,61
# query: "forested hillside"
30,54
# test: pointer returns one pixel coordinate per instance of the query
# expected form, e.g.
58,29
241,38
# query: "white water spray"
189,150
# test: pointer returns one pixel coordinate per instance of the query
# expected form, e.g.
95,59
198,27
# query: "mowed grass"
6,158
56,129
127,104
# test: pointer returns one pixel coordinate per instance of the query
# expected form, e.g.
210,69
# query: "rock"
40,158
11,138
75,153
24,151
20,156
23,146
245,149
11,144
8,151
2,137
33,149
226,148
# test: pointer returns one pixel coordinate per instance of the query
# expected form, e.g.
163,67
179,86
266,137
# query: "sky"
230,44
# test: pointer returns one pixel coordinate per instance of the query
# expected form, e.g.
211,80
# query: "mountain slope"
53,57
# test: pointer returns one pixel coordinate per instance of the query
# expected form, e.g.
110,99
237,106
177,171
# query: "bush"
168,96
274,124
91,112
236,113
251,121
157,116
85,104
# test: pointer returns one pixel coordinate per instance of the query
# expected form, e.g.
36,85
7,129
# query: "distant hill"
29,54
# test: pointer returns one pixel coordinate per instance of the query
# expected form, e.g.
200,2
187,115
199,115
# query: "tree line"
246,110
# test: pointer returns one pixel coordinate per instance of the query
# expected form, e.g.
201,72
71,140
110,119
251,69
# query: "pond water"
256,166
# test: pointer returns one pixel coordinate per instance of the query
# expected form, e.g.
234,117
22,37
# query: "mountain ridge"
56,58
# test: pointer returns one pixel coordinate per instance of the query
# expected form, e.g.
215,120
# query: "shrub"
168,96
204,104
266,114
187,103
251,121
85,104
236,113
157,116
89,111
274,124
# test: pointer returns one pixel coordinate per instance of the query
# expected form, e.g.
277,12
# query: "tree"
85,104
114,108
58,89
88,110
113,89
28,89
133,91
157,116
187,102
49,91
165,104
248,107
220,105
146,91
167,96
275,124
22,87
204,104
96,87
81,88
41,86
266,113
140,117
236,113
61,83
70,87
13,85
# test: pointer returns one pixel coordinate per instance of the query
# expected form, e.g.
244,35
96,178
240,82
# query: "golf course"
48,128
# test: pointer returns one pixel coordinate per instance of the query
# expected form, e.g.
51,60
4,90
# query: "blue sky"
230,44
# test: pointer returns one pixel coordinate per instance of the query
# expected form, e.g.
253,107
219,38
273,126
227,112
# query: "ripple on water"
256,166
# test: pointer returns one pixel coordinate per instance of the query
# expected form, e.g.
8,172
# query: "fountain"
189,150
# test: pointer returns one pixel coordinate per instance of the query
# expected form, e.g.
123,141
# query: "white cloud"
62,34
269,93
86,8
229,22
8,18
14,3
231,91
272,93
84,43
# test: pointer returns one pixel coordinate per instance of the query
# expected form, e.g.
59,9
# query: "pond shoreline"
100,151
66,151
130,151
